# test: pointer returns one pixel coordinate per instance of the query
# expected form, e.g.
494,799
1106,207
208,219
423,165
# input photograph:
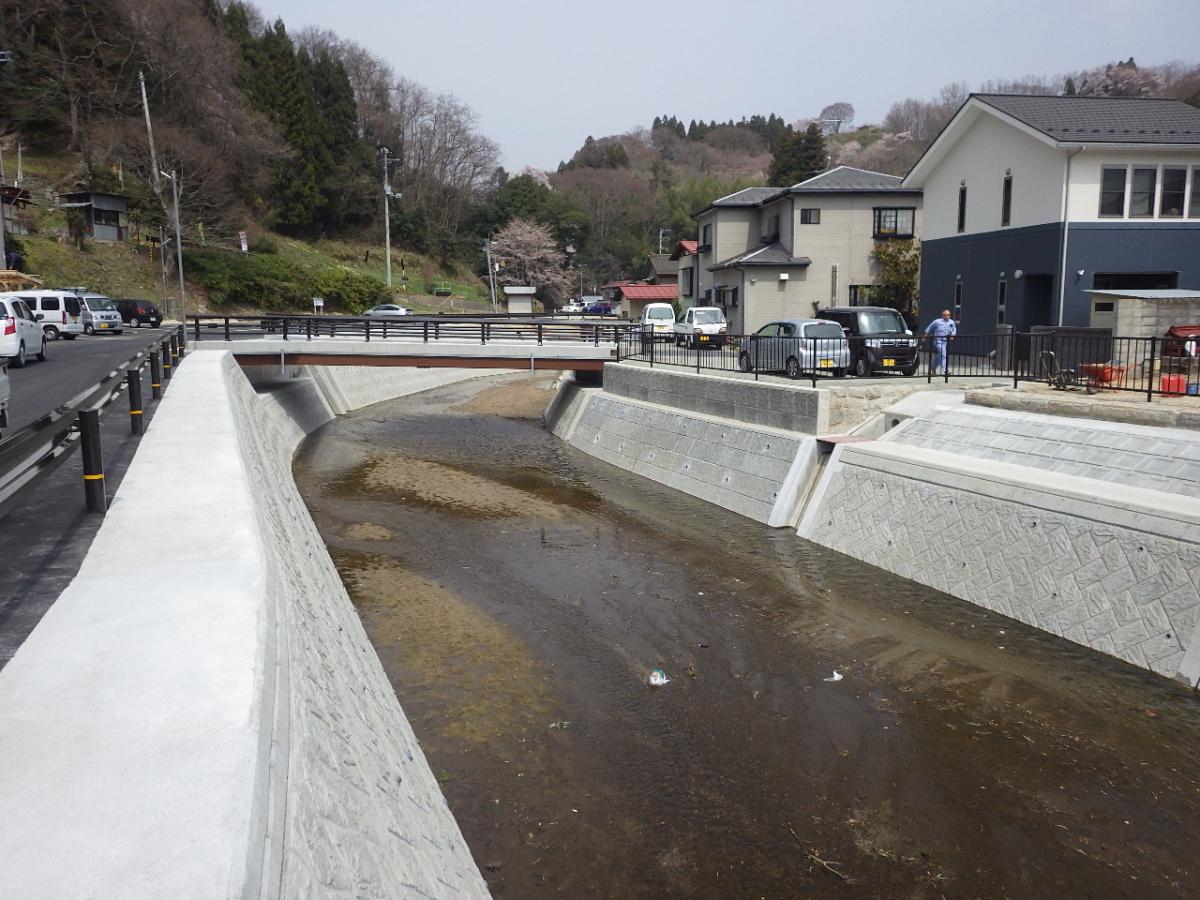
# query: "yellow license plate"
704,337
103,324
888,362
827,364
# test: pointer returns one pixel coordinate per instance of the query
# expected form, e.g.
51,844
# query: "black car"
880,341
135,313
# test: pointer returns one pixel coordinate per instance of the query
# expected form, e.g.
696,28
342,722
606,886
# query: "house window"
1194,204
962,209
706,237
958,300
1141,196
685,281
1001,302
1174,187
733,297
1112,191
810,217
894,222
1006,203
106,217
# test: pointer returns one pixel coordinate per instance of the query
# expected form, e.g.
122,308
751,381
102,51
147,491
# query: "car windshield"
823,330
708,316
101,303
881,322
660,313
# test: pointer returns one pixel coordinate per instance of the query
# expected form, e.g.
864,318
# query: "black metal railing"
424,329
1091,361
30,454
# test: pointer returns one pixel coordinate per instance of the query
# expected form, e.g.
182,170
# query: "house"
684,257
662,270
632,298
768,253
13,201
1033,202
105,216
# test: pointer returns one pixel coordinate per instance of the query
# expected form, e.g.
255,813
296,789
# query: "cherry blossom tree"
528,256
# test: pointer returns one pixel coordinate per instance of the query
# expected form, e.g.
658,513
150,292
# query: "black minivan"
136,312
880,341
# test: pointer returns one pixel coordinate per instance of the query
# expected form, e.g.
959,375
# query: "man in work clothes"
942,331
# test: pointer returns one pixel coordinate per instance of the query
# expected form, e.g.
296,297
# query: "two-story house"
1031,202
771,253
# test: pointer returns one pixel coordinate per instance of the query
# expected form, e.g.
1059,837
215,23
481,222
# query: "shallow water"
519,593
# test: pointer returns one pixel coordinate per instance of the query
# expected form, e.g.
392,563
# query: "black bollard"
166,361
93,461
133,378
155,376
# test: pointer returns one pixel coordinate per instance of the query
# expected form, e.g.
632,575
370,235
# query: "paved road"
70,367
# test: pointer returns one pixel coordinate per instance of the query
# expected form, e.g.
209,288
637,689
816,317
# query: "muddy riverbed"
519,594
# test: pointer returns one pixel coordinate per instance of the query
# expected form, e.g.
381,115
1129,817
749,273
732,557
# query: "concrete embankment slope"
201,714
1088,530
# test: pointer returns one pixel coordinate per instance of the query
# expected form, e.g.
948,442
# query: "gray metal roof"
1158,294
770,255
847,178
1103,119
662,264
746,197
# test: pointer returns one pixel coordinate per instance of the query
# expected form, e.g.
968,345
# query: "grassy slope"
129,270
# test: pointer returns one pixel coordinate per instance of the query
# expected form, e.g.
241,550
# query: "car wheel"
88,329
861,369
52,333
744,362
839,373
135,322
41,357
911,370
791,368
18,361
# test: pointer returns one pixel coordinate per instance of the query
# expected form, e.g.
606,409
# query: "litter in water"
658,678
837,676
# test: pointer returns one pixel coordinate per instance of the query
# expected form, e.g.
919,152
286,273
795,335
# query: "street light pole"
178,251
387,221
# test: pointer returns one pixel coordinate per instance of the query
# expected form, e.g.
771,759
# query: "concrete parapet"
201,714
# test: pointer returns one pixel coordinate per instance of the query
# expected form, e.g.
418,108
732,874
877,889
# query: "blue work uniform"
941,330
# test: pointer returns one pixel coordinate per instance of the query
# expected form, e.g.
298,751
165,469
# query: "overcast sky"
542,76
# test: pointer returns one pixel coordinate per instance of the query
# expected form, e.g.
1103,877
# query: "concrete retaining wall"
755,471
200,714
1042,537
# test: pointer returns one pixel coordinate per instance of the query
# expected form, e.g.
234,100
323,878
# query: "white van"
61,311
658,321
100,315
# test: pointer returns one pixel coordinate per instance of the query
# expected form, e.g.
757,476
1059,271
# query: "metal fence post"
539,329
697,343
1150,384
812,359
133,378
155,375
1012,355
93,461
367,323
227,336
651,347
483,332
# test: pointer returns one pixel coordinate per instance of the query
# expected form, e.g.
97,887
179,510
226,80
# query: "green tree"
898,276
798,156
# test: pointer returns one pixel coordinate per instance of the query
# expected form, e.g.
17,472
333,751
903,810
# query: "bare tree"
837,116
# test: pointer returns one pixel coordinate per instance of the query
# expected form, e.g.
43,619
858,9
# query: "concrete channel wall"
1087,530
201,714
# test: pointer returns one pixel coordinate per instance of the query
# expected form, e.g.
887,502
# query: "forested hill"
270,130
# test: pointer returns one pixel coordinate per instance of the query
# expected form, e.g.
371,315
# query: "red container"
1174,384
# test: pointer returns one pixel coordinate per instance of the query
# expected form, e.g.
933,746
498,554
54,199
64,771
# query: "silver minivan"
61,311
100,315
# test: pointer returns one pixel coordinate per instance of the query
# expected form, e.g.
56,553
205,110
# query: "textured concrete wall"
790,407
755,471
209,719
1110,566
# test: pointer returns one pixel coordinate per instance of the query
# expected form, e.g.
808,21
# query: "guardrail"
425,329
29,455
1092,362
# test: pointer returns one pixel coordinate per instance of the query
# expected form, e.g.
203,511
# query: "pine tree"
798,156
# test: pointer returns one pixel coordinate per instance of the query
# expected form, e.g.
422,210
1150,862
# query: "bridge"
423,342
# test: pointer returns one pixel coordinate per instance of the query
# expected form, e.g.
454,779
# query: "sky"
543,76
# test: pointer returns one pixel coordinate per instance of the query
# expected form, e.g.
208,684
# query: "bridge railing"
30,454
423,329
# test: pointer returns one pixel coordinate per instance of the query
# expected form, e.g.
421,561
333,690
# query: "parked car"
21,333
597,308
135,313
702,325
795,346
657,321
98,313
5,390
573,308
879,338
61,311
387,311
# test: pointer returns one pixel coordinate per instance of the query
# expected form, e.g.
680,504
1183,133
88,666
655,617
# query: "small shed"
13,201
519,300
106,216
1144,313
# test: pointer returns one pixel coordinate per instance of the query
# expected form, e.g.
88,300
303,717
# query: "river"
520,593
